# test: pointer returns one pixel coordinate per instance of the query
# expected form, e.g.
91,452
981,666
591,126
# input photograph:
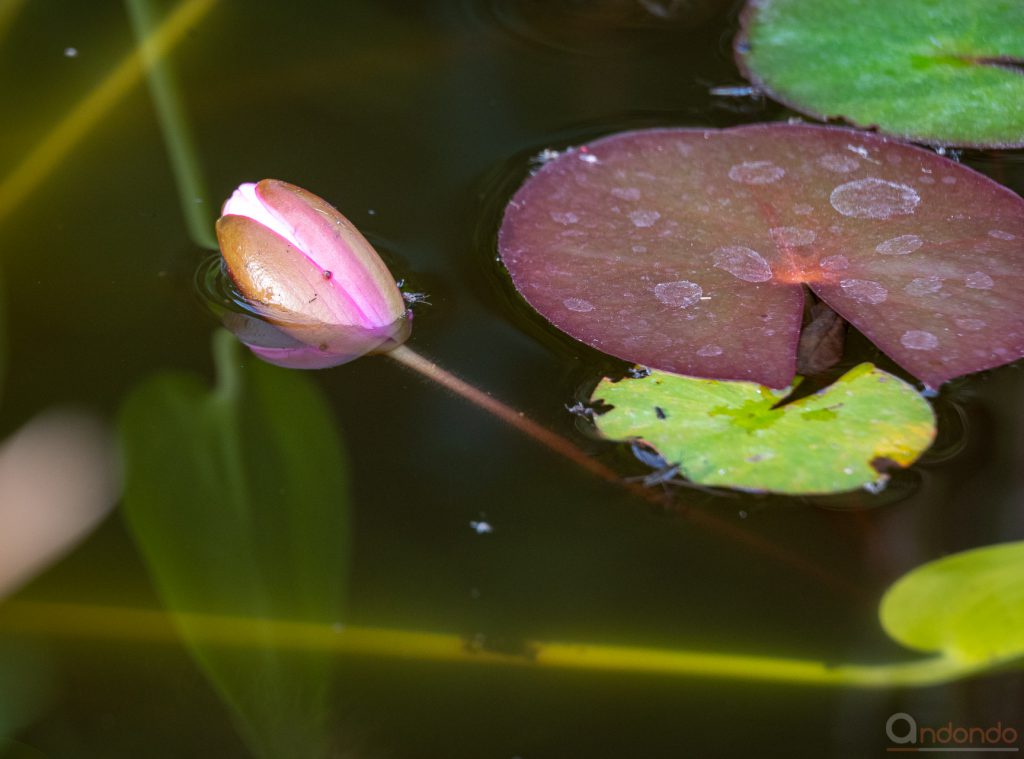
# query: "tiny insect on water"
580,409
664,473
412,298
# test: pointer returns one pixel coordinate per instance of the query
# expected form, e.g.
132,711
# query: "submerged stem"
111,623
174,125
551,440
569,450
55,145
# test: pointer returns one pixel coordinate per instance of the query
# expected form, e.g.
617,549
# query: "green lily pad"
944,72
731,434
969,606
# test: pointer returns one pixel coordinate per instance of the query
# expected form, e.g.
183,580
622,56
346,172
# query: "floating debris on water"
480,527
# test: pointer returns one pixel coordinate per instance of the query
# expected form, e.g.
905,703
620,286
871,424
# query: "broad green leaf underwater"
969,606
730,434
943,72
237,498
687,250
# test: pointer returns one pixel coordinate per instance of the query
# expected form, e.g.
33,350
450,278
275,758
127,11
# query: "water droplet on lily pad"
792,236
919,340
923,286
839,163
578,304
743,263
864,290
979,280
899,246
874,198
681,294
756,172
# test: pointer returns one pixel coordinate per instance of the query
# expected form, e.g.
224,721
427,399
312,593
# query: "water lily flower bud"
321,293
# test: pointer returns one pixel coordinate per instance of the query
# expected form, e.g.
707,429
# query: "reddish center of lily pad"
686,250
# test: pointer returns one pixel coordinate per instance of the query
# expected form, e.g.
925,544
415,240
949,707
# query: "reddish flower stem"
569,450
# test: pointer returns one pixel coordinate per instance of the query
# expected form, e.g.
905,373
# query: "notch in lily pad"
688,250
737,435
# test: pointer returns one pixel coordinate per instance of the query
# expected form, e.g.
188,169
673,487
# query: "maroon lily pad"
686,250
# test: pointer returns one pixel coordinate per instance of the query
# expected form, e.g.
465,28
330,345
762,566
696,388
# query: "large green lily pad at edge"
969,606
943,72
728,434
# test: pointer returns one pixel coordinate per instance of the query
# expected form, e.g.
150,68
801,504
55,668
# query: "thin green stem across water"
114,623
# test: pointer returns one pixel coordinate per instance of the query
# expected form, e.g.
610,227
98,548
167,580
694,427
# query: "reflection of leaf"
686,250
730,433
237,499
969,605
821,341
946,72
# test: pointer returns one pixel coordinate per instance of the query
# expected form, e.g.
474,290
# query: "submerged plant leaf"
945,72
237,499
969,606
730,434
686,250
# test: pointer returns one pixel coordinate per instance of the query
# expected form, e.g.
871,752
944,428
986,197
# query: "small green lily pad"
969,606
944,72
730,434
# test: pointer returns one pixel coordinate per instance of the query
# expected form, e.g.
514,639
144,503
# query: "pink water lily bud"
320,293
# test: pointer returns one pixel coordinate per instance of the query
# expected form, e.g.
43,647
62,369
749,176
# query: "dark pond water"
418,121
